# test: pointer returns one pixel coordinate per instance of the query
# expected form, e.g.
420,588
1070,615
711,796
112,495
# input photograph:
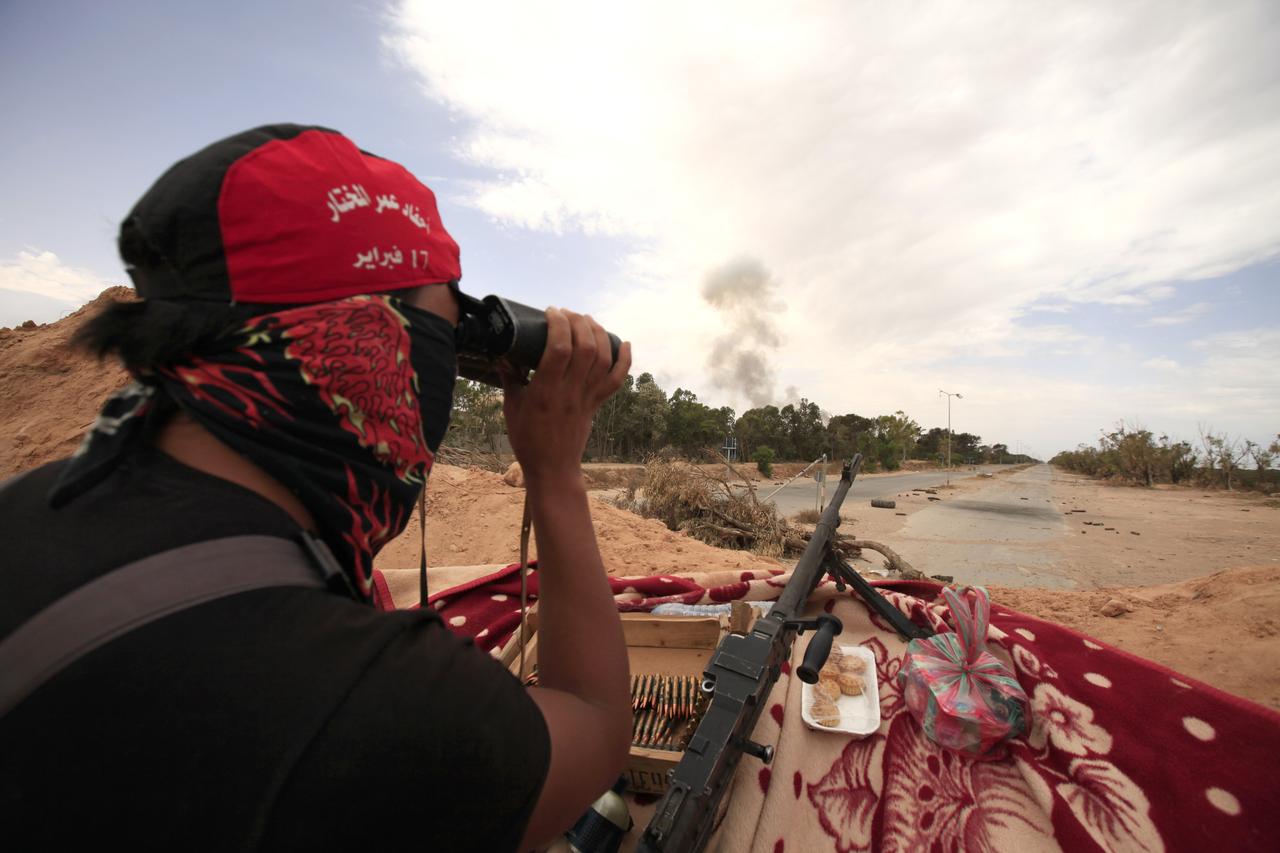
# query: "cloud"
1186,315
1242,365
917,180
1160,364
40,273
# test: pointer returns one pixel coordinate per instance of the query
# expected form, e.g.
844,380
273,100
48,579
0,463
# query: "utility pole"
949,395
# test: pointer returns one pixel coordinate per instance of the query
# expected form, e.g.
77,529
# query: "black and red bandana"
344,403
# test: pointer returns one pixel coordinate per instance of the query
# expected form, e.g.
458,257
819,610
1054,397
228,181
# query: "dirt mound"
473,518
50,393
610,475
1223,629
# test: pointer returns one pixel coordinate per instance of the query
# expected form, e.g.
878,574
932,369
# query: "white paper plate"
859,715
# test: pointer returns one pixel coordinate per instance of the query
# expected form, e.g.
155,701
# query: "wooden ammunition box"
656,645
665,645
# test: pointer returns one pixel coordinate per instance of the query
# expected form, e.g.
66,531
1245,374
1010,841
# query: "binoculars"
495,330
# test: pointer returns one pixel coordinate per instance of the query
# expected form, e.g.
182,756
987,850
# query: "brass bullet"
655,731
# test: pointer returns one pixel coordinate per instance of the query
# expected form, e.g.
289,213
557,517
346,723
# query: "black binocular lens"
495,330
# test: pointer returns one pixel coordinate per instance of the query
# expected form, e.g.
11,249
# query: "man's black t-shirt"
282,718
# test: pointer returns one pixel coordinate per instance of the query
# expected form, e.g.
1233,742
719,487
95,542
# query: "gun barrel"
810,563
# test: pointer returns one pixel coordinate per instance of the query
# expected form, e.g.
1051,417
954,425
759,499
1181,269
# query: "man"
294,355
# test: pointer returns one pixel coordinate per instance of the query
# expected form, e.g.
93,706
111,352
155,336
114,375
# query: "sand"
473,518
49,393
1223,629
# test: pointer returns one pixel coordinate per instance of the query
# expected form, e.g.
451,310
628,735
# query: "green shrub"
763,457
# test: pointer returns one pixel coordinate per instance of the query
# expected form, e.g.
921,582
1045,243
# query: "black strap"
422,541
141,592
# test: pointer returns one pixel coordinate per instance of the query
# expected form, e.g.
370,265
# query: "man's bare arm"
582,662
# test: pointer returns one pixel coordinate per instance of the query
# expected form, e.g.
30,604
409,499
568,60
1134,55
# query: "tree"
1263,457
1177,458
932,445
693,426
1222,450
806,436
647,430
1134,451
759,427
902,432
609,425
964,445
843,432
476,420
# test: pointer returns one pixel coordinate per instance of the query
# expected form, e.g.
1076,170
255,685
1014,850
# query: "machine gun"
739,678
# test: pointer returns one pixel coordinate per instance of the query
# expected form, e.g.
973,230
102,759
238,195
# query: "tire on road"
881,504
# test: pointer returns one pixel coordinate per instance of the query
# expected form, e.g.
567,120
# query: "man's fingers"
604,351
559,351
584,348
512,389
618,373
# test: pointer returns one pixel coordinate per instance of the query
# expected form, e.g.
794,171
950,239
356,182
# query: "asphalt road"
803,493
1001,533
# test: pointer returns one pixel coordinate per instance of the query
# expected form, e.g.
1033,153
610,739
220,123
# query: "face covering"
344,403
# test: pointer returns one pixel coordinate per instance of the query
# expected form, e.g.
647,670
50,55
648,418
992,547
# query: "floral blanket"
1123,753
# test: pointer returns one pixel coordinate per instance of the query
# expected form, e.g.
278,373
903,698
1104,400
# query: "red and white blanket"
1124,754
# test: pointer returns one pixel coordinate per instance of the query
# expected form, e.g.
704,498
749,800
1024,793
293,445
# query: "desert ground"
1193,575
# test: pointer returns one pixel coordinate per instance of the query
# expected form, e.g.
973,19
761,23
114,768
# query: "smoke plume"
741,358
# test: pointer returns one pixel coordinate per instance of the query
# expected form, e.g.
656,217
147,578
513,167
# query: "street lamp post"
949,395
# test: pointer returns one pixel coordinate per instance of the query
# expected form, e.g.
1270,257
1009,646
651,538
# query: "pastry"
851,664
829,690
850,684
825,713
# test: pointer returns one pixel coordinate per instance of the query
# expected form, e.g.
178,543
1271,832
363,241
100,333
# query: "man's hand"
549,419
583,675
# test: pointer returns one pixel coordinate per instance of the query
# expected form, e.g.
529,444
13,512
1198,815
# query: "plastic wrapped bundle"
961,694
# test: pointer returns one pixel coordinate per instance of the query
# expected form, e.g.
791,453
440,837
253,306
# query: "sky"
1067,213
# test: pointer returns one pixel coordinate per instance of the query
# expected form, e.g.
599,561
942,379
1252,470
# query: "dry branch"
893,561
